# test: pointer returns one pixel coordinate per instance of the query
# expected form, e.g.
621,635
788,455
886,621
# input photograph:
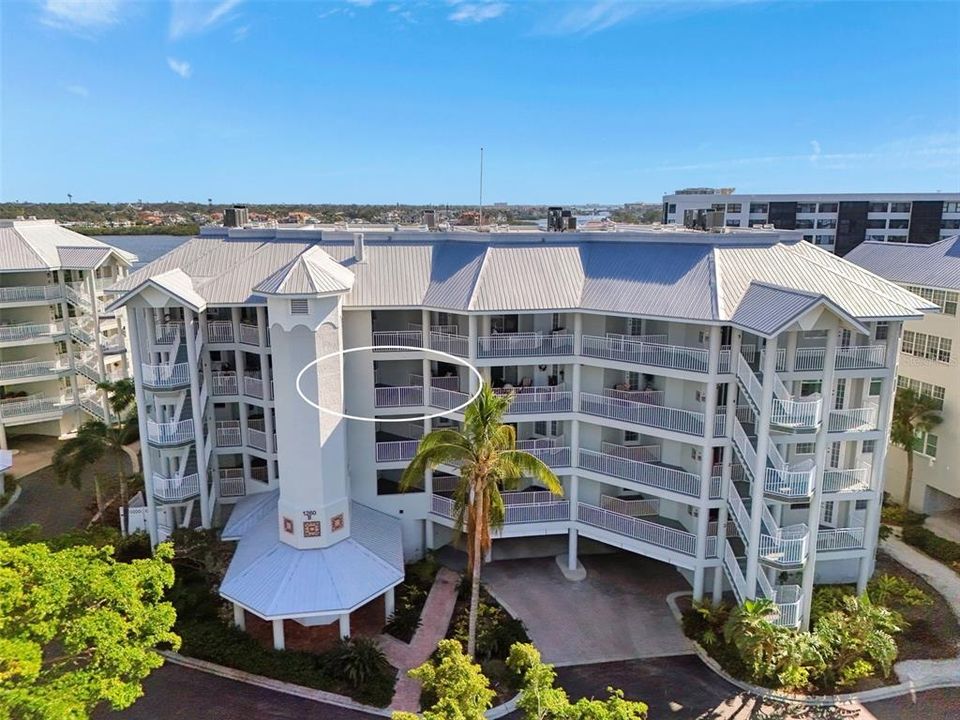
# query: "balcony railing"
787,547
256,435
852,357
837,539
175,489
402,396
408,338
526,344
787,598
228,433
249,334
854,420
170,433
639,453
637,529
396,450
30,331
220,331
31,405
682,421
165,376
521,507
630,507
29,293
451,382
789,482
554,457
169,333
657,476
645,397
450,343
253,385
538,400
232,482
224,383
642,353
447,399
840,480
32,368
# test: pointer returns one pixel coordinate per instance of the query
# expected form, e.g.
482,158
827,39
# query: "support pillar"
345,625
239,617
572,539
145,463
279,642
428,528
389,604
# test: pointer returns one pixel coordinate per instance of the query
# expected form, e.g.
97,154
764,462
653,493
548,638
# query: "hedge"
932,544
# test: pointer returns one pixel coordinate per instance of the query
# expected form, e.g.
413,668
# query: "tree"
459,686
485,451
914,415
540,700
78,628
96,438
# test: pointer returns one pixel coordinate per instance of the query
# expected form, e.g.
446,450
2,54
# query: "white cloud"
361,3
477,12
80,16
192,17
180,67
78,90
593,17
814,151
241,33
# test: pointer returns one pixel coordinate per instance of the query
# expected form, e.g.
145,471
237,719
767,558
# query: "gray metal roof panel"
766,309
16,253
936,265
454,274
74,257
529,278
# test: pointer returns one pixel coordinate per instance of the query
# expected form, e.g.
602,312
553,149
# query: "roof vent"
299,306
358,247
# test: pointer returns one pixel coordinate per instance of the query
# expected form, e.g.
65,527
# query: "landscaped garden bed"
853,642
410,597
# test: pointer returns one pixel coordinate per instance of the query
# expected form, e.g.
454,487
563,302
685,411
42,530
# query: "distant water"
146,247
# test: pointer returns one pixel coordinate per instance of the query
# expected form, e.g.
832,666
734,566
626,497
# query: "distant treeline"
185,229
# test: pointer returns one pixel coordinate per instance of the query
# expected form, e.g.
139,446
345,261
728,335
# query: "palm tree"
96,438
486,452
914,415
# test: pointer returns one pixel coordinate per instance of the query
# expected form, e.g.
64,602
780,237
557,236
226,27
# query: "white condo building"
836,222
928,364
57,341
716,401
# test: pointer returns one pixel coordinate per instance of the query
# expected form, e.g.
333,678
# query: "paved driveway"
618,613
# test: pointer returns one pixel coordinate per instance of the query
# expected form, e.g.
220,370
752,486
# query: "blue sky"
390,101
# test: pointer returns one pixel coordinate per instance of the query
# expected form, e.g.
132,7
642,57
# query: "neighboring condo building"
928,364
716,401
836,222
57,341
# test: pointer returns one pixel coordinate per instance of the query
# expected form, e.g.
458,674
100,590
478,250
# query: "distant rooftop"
27,245
935,266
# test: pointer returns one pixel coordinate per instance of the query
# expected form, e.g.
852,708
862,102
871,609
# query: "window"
945,299
899,224
926,346
758,208
951,207
861,504
631,436
733,223
806,208
877,238
824,240
876,224
876,384
808,238
804,224
828,207
840,394
672,208
950,224
880,207
809,387
868,447
921,388
299,306
825,224
806,448
927,445
733,207
896,238
882,331
799,506
900,207
826,514
719,207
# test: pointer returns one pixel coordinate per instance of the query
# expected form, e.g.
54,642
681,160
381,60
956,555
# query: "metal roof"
689,276
935,266
44,245
276,580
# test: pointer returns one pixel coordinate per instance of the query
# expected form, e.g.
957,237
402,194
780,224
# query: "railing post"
820,455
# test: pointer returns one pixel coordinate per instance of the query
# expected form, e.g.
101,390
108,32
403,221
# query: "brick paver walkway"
436,615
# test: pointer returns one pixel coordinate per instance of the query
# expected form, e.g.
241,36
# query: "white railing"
786,548
657,476
788,481
840,539
249,334
633,508
30,331
640,453
682,421
447,399
396,450
403,396
228,433
175,489
162,376
839,480
796,413
738,511
734,572
451,382
537,400
224,383
856,419
220,331
257,438
31,368
781,359
552,456
170,433
537,443
253,385
789,601
112,343
749,380
29,293
76,293
642,530
524,344
660,339
232,482
851,357
168,333
533,512
747,452
30,405
441,505
646,397
450,343
409,338
655,354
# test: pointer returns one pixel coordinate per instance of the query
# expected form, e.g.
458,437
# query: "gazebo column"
239,617
389,604
278,640
345,625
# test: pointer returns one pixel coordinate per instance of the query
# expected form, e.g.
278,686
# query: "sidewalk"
436,615
947,583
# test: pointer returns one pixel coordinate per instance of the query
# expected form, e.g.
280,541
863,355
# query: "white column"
239,617
577,333
389,604
206,511
572,539
813,518
278,639
572,549
736,342
472,349
760,466
345,625
145,463
428,530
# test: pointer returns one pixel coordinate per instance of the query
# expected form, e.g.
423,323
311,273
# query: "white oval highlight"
410,348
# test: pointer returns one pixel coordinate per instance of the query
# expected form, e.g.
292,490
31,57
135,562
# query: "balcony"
175,489
28,369
254,386
30,331
677,357
257,435
519,507
166,376
31,408
231,482
526,344
551,455
170,433
645,397
399,396
249,334
788,600
851,357
783,547
840,480
536,400
447,399
855,420
654,475
786,411
168,333
634,528
451,343
840,539
384,339
34,293
228,434
224,383
787,482
664,418
220,331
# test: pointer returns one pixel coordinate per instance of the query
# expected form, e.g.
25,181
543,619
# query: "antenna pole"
481,188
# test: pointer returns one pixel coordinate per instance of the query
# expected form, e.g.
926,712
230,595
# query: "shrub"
900,516
405,620
496,631
828,598
932,544
896,592
356,660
